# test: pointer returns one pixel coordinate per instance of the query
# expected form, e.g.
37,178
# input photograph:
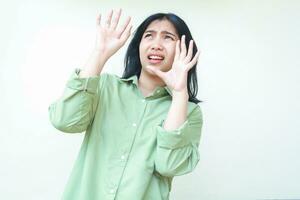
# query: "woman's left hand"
176,77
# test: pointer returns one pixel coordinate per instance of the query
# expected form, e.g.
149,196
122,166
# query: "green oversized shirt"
126,154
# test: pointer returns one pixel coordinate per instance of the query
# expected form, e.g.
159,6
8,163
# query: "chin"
150,72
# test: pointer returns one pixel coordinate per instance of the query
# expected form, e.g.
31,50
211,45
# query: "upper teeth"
156,57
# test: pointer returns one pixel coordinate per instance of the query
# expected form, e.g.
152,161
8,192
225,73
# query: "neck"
148,82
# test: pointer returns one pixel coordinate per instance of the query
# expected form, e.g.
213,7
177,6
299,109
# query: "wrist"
98,52
180,95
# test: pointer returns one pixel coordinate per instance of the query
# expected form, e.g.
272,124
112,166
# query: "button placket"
123,157
111,189
86,84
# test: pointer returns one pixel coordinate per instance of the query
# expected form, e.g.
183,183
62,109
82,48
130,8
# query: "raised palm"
176,77
110,37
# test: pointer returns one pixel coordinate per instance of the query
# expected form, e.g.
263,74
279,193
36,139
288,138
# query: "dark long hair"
132,58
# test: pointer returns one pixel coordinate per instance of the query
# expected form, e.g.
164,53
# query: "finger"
108,19
194,60
116,19
156,71
190,52
124,27
98,20
126,34
177,50
183,47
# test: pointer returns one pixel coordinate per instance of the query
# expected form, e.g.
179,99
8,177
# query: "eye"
147,35
169,37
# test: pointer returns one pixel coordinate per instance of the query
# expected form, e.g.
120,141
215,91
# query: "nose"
156,45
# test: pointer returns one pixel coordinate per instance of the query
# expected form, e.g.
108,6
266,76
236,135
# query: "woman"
142,129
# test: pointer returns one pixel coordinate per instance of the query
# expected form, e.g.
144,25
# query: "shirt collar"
134,79
131,78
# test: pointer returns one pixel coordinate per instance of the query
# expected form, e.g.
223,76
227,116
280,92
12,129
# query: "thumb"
156,71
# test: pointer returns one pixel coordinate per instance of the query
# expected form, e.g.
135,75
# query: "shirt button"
134,124
143,100
122,157
112,191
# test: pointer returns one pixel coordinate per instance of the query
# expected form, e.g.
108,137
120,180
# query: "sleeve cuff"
89,84
172,139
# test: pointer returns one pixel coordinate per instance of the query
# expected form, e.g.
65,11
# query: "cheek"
143,47
141,52
172,52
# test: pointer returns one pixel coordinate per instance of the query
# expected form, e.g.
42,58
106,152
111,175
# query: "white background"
248,79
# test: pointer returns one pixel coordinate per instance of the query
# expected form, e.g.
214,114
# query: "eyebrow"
166,32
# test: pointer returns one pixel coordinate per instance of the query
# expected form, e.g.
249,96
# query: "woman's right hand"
110,37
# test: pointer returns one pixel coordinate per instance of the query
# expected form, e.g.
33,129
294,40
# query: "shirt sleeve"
177,150
75,109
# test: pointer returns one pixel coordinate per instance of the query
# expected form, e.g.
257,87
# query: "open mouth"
154,59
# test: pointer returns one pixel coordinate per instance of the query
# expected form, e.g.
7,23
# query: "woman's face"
157,46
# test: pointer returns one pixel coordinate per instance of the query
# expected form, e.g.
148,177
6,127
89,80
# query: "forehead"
162,25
